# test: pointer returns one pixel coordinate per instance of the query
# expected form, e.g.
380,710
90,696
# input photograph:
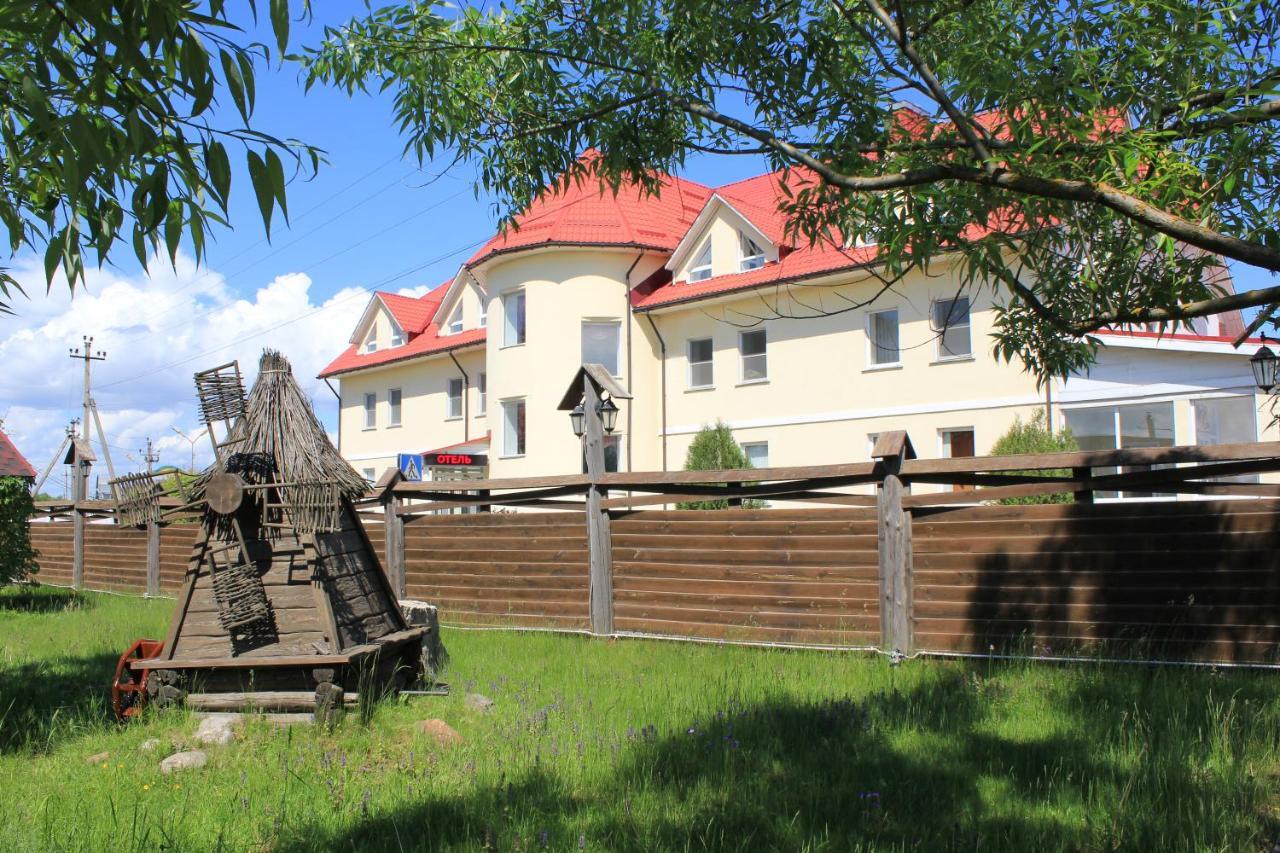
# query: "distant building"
13,463
695,300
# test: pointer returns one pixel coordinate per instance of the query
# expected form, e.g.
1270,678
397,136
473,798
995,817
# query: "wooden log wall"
775,575
53,543
527,568
1187,580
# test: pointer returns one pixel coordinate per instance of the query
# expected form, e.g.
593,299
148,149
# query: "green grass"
635,745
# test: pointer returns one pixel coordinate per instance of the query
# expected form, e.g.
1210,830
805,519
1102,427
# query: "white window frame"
710,362
872,349
617,324
371,341
746,444
747,259
455,321
450,398
702,270
397,336
482,395
967,325
742,357
944,446
395,407
509,330
370,475
370,411
517,452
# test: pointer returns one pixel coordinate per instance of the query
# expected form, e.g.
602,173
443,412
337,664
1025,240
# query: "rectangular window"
757,453
882,337
393,403
369,476
601,343
701,371
513,428
370,411
455,322
371,342
951,325
397,337
612,453
513,319
700,269
1119,428
482,395
1226,420
455,398
755,361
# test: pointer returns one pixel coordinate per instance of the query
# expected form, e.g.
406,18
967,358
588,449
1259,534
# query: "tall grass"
636,745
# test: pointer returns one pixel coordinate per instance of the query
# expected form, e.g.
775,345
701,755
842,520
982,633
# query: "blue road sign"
410,465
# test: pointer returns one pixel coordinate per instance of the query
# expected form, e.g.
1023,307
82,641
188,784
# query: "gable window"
951,324
882,337
371,342
757,453
513,319
701,369
753,347
455,398
393,403
370,411
752,256
455,322
482,394
513,427
397,336
600,345
700,269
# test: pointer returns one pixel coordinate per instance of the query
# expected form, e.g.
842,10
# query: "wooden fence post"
153,559
1084,475
394,543
77,546
599,549
893,535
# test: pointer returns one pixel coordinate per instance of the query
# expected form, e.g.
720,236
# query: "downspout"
466,398
631,379
662,348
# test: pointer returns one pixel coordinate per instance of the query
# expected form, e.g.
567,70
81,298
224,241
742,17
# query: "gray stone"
191,760
434,654
98,758
218,729
150,744
478,702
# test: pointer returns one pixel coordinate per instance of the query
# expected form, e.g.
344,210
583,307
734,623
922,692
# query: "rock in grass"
192,760
98,758
478,702
439,731
149,745
217,729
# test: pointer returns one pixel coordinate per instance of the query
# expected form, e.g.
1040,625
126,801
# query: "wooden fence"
902,571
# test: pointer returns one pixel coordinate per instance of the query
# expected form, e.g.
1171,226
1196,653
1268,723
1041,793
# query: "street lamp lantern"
576,418
1265,366
608,413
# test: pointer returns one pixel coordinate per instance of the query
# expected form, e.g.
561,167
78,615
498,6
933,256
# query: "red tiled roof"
588,213
13,463
417,318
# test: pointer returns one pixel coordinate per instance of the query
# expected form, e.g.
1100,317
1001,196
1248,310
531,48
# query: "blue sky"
371,219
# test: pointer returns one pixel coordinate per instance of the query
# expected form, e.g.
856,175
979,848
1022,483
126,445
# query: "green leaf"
235,82
280,23
262,188
219,167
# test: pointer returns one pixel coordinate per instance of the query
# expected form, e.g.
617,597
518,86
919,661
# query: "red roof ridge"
12,462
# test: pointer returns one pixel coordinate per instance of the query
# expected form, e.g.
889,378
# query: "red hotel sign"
454,460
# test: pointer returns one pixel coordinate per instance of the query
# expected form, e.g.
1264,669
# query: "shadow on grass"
42,703
929,769
41,599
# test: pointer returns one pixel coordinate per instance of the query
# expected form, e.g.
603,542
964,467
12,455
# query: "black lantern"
576,418
1265,367
608,414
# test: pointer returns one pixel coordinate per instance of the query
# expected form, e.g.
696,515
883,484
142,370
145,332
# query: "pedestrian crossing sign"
411,466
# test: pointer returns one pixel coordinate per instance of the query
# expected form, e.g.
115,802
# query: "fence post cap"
390,478
893,443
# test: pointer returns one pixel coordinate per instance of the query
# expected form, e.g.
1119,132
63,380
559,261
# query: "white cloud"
157,330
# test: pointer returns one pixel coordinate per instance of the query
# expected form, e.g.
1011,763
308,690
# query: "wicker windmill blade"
284,589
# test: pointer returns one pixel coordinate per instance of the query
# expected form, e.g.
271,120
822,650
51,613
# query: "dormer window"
752,256
455,322
397,337
701,267
371,342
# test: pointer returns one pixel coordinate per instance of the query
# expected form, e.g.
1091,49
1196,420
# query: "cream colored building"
705,311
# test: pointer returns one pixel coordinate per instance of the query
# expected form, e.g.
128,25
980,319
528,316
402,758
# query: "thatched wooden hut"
284,596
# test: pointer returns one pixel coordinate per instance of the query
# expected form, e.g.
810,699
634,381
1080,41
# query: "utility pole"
86,354
150,456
